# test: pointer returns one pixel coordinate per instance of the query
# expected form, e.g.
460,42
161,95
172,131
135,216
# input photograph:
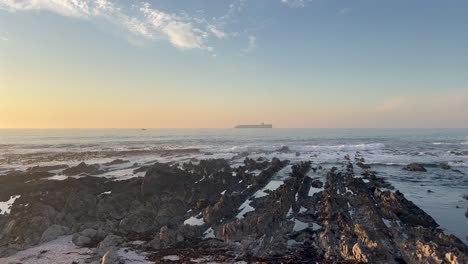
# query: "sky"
210,64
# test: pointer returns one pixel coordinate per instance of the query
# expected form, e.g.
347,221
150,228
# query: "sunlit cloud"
181,30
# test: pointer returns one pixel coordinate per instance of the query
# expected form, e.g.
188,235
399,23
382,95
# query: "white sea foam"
245,208
299,225
314,190
194,221
171,258
5,207
300,148
209,233
271,186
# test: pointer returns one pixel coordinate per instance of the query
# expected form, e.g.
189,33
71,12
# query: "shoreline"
178,207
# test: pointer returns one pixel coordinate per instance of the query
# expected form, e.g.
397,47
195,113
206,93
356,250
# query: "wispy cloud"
4,38
252,44
143,20
295,3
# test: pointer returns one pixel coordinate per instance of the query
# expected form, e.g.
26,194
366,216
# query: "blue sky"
178,63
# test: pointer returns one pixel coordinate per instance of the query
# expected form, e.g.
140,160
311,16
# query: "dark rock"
284,149
363,165
83,168
139,225
86,238
111,241
345,222
445,166
111,257
116,162
162,178
46,168
202,203
317,184
414,167
53,232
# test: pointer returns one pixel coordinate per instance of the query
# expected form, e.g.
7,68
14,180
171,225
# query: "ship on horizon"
262,125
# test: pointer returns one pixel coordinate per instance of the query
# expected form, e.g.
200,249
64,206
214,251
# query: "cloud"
252,44
73,8
181,30
4,38
295,3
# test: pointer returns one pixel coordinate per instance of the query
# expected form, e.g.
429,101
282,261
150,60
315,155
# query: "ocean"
438,191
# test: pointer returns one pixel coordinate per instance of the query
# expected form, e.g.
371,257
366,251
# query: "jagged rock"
111,241
202,203
282,220
83,168
111,257
54,232
116,162
162,178
142,224
317,184
414,167
363,165
252,165
46,168
445,166
284,149
85,238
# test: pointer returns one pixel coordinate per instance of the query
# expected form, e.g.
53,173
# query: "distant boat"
143,129
262,125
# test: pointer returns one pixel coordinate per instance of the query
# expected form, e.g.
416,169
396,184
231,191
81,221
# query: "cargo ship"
262,125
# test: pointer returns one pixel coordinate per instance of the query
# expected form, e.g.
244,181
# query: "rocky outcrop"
250,213
84,168
414,167
53,232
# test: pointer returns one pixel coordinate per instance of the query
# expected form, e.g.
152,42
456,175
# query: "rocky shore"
204,211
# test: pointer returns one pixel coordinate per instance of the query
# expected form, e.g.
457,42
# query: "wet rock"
317,184
284,149
83,168
162,178
363,165
116,162
414,167
53,232
46,168
252,165
445,166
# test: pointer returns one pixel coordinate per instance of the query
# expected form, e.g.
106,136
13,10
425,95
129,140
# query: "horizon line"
143,128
